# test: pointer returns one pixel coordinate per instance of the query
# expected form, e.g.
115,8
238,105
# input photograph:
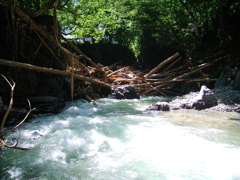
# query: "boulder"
43,104
205,99
160,106
126,92
15,115
46,104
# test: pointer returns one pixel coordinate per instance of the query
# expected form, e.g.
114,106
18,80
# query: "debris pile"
152,81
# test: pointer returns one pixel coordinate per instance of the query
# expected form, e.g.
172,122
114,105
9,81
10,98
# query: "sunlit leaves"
93,18
139,23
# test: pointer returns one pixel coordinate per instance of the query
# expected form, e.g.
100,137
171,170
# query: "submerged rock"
126,92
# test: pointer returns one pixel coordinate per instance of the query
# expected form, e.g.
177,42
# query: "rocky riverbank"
228,100
224,99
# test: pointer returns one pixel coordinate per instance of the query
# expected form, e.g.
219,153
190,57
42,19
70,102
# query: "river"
121,140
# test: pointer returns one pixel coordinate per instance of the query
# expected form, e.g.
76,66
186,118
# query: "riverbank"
228,99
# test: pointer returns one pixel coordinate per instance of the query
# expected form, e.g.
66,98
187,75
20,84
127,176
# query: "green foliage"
142,24
84,19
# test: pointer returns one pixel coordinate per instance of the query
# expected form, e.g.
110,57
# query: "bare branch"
10,103
30,110
62,6
12,146
3,140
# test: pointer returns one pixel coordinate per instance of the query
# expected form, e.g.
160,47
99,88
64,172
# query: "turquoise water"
121,140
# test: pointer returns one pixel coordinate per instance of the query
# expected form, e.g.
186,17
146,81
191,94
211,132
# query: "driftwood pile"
155,81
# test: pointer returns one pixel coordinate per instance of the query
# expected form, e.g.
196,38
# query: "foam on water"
122,141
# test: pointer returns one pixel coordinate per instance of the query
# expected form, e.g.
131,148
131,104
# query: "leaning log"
161,65
52,71
202,66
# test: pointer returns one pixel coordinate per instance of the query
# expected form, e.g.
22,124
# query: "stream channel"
121,140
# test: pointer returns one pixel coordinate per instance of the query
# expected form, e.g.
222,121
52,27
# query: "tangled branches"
3,141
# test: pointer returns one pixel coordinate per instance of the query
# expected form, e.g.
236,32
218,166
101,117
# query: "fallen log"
202,66
171,65
184,75
115,72
52,71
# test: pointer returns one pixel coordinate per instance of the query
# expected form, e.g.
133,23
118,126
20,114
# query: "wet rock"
46,104
126,92
15,116
160,106
43,104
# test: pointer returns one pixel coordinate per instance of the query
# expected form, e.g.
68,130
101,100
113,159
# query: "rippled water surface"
121,140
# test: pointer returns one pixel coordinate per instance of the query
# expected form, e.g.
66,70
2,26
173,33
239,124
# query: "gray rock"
205,99
126,92
160,106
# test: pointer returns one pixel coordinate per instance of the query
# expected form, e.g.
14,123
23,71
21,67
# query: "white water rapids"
121,140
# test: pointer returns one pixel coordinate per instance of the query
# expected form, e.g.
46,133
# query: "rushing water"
121,140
